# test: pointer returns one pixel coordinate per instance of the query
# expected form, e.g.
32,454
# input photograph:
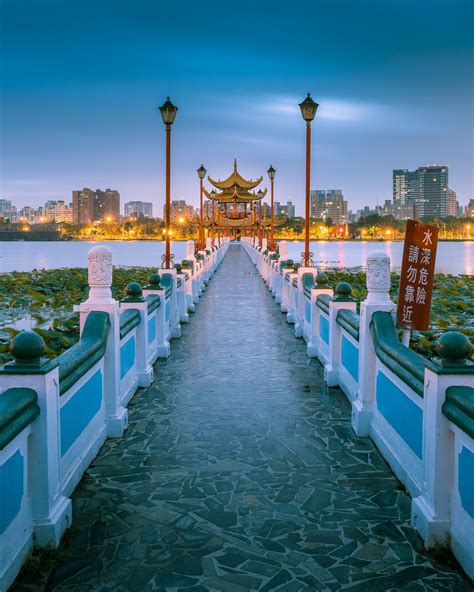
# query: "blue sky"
81,81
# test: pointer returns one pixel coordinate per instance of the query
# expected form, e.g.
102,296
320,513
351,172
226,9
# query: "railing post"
378,298
190,256
135,300
431,510
342,301
322,287
175,327
100,298
52,513
300,300
163,330
283,251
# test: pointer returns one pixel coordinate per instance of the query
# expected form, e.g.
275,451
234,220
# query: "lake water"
452,257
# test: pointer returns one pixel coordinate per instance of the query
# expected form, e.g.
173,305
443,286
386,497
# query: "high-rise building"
406,186
287,210
433,191
317,199
141,209
328,204
8,211
451,203
179,209
83,206
469,210
89,206
107,204
426,189
57,211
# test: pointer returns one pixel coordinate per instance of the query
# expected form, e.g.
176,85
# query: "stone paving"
240,471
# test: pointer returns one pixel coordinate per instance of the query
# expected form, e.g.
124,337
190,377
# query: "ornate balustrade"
420,413
56,414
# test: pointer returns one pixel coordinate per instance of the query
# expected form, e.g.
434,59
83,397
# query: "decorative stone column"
378,298
100,298
100,275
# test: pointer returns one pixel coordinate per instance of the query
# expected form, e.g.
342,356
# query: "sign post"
416,278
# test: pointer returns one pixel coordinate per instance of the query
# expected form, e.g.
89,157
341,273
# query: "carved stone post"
100,298
378,298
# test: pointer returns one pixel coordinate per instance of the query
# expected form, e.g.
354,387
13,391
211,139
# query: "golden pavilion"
233,204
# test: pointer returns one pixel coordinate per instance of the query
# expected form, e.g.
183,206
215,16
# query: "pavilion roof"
235,181
234,196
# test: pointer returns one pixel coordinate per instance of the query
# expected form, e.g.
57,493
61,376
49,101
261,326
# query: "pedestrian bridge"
231,460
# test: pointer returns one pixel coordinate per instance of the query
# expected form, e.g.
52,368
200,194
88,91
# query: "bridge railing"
419,413
56,414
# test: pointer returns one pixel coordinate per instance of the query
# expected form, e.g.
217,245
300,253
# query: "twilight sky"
81,81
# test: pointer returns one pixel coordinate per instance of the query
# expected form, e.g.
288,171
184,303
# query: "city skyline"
79,103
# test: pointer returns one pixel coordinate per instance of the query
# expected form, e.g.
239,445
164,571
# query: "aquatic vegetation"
43,300
452,307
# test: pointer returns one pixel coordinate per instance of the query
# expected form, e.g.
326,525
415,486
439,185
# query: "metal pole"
212,224
168,204
308,175
272,246
201,227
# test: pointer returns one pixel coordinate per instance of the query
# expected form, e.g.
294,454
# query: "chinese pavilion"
233,205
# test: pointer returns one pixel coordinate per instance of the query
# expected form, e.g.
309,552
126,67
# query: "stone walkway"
239,472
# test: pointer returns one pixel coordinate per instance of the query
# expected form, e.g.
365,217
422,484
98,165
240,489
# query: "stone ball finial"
378,277
154,279
27,347
322,279
185,264
178,267
100,267
343,289
454,347
133,289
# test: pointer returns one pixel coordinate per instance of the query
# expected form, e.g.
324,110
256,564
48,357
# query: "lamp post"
260,195
271,173
213,193
168,113
201,173
308,111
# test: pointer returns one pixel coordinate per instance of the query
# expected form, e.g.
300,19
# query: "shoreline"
183,240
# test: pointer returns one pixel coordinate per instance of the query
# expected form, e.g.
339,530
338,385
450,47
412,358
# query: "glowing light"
108,219
181,220
26,228
388,232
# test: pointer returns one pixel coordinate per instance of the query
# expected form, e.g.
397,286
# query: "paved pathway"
239,472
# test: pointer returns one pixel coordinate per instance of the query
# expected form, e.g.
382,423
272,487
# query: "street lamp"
168,113
213,193
308,111
201,173
271,173
260,195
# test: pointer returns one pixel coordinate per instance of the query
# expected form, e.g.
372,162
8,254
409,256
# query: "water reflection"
452,257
